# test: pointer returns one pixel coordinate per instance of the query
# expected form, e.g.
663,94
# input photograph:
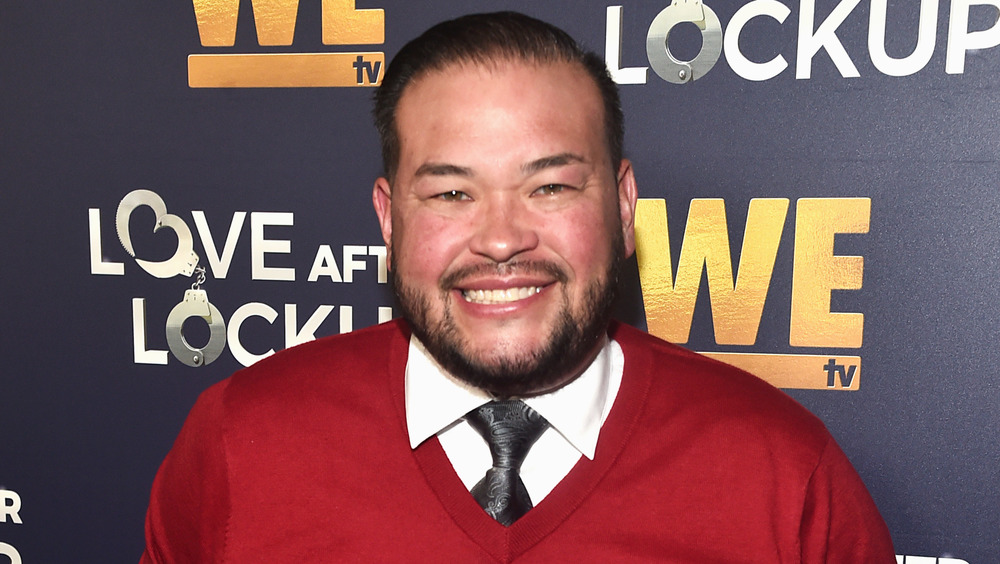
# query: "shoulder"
369,345
716,397
761,463
341,363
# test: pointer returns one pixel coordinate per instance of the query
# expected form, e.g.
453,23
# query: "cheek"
425,246
583,239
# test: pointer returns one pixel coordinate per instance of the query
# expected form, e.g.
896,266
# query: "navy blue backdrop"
272,178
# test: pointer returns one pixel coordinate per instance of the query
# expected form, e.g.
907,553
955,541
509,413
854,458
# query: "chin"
533,356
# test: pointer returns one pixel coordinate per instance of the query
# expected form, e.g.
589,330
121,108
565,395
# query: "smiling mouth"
505,296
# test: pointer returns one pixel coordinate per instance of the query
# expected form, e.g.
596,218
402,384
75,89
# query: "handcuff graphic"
184,261
664,63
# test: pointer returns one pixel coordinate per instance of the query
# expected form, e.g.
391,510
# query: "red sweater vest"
304,457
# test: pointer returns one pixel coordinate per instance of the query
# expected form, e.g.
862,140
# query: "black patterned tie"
510,428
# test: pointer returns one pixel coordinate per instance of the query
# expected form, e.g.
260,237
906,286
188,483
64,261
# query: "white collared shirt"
436,404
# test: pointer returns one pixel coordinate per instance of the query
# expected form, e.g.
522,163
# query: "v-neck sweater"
304,457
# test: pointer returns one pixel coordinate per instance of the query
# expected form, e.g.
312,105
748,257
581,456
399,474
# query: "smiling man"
506,221
505,418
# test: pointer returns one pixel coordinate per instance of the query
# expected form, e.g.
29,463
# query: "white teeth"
508,295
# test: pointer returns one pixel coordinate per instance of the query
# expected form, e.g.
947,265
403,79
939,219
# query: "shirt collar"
435,400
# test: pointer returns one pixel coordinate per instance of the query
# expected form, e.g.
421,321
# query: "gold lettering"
217,21
283,70
345,25
652,253
797,371
817,271
275,21
736,307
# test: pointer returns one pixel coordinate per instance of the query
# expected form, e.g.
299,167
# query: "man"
507,210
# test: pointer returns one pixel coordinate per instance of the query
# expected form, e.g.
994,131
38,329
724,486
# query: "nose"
504,229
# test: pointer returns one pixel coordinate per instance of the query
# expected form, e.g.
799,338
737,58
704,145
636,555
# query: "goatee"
562,355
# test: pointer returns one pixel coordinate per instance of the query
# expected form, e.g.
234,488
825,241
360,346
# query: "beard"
558,359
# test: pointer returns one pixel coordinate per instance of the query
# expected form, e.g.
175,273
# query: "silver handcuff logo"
183,262
663,62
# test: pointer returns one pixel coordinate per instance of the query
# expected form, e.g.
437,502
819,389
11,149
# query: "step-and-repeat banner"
186,189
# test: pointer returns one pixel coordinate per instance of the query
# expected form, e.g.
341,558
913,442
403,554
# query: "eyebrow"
442,169
562,159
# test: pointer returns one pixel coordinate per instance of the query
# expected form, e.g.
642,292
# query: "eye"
453,196
550,189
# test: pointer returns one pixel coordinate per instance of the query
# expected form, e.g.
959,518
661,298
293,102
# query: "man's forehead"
556,100
468,89
496,66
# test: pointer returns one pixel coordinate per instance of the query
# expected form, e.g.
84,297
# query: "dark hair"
486,39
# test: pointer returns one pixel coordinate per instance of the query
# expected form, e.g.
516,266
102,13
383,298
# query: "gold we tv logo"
275,20
669,294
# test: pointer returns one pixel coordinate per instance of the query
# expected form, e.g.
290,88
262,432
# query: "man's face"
506,222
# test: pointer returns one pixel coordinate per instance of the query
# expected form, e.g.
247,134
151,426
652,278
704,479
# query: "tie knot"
509,427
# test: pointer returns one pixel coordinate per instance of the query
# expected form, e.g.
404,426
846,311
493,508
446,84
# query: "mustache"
522,267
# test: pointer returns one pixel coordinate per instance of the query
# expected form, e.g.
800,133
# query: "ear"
382,200
627,195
